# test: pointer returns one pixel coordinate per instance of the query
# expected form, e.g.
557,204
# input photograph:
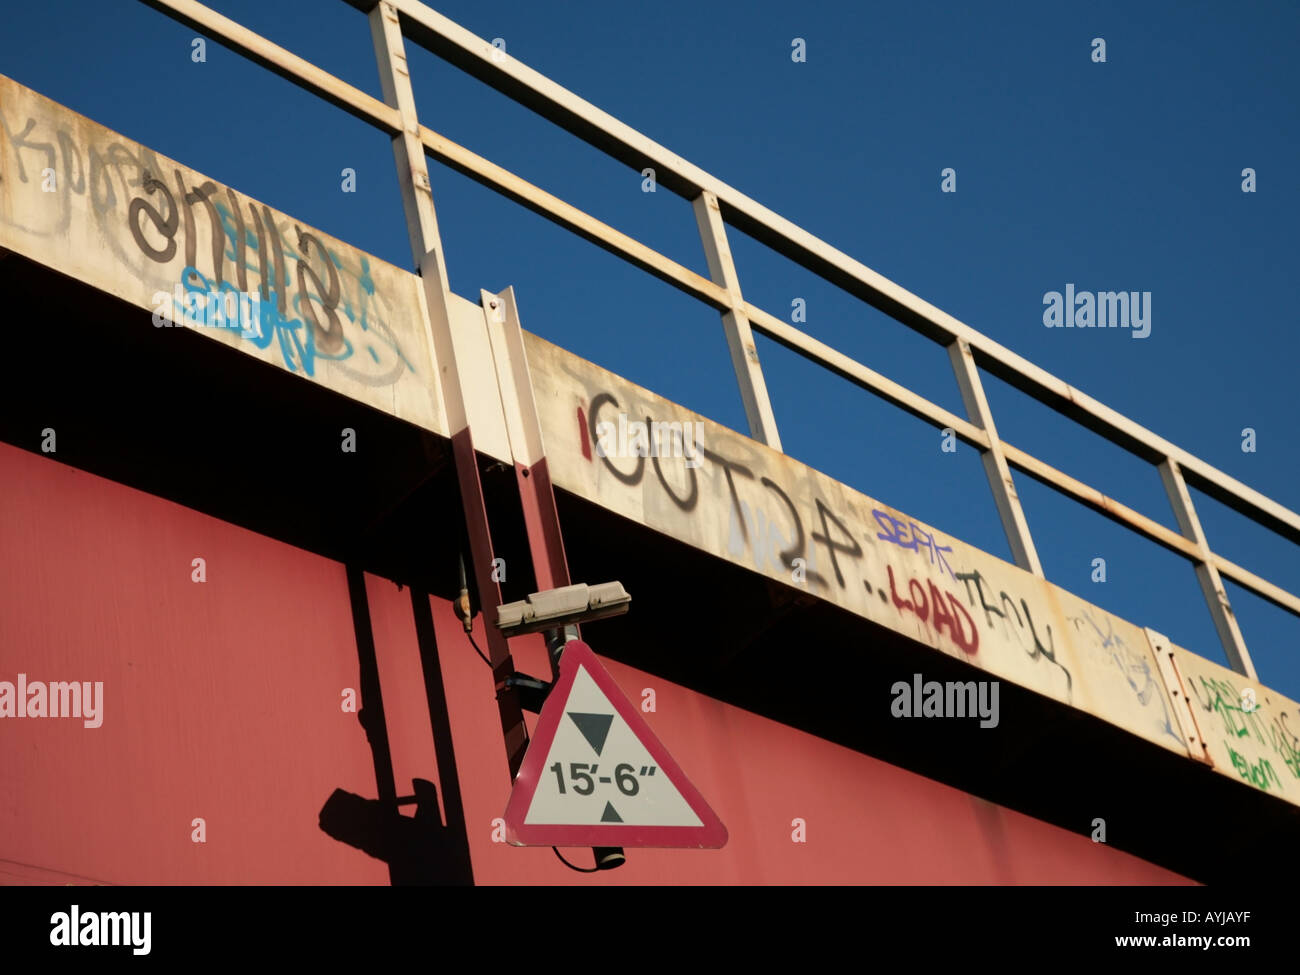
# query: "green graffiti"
1286,746
1223,699
1258,774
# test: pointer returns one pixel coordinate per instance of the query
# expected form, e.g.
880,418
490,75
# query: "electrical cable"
573,866
527,737
477,650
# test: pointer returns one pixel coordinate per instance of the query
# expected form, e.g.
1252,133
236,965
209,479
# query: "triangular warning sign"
595,774
594,727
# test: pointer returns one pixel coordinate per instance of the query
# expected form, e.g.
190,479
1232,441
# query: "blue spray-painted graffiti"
332,313
913,537
1135,667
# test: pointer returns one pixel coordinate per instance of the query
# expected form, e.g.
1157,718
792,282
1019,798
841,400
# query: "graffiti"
1286,744
773,526
931,609
911,536
754,508
1259,774
104,173
767,524
775,538
848,545
320,306
1134,665
634,476
1222,698
750,526
1036,648
306,327
1256,729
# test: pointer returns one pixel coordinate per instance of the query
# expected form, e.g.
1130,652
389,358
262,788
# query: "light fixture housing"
554,608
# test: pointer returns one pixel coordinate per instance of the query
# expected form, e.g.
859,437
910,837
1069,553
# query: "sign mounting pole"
450,353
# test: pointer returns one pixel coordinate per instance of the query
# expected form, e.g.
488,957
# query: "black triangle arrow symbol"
594,727
610,815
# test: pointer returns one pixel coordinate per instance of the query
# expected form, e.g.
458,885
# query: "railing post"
735,323
1207,573
1012,514
452,356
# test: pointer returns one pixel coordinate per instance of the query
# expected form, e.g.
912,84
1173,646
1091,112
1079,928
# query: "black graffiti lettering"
853,549
1005,602
727,468
1048,652
102,195
797,546
593,416
1009,603
689,502
329,339
280,282
20,142
69,150
218,233
263,257
117,159
241,241
167,227
975,577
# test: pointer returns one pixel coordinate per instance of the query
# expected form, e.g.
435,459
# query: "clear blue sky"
1117,176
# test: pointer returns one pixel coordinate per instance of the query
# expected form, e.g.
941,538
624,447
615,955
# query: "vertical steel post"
978,411
450,353
735,323
1216,597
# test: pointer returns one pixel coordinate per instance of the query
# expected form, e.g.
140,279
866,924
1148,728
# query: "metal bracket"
1163,651
532,691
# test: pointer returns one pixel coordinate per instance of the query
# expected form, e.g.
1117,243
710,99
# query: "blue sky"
1123,175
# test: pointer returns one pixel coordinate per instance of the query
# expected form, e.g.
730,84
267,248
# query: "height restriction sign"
595,774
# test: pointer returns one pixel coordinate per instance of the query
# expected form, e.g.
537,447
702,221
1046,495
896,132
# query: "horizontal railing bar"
870,380
494,177
456,45
1136,521
1103,504
460,47
282,62
1279,597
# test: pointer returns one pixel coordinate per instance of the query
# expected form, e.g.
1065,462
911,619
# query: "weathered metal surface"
1014,523
1252,733
96,206
100,208
229,701
475,55
735,324
1187,723
1207,573
759,509
478,57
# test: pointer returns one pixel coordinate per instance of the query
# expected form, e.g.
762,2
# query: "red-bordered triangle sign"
595,774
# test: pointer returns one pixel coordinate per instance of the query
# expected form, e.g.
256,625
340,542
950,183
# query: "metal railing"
716,205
